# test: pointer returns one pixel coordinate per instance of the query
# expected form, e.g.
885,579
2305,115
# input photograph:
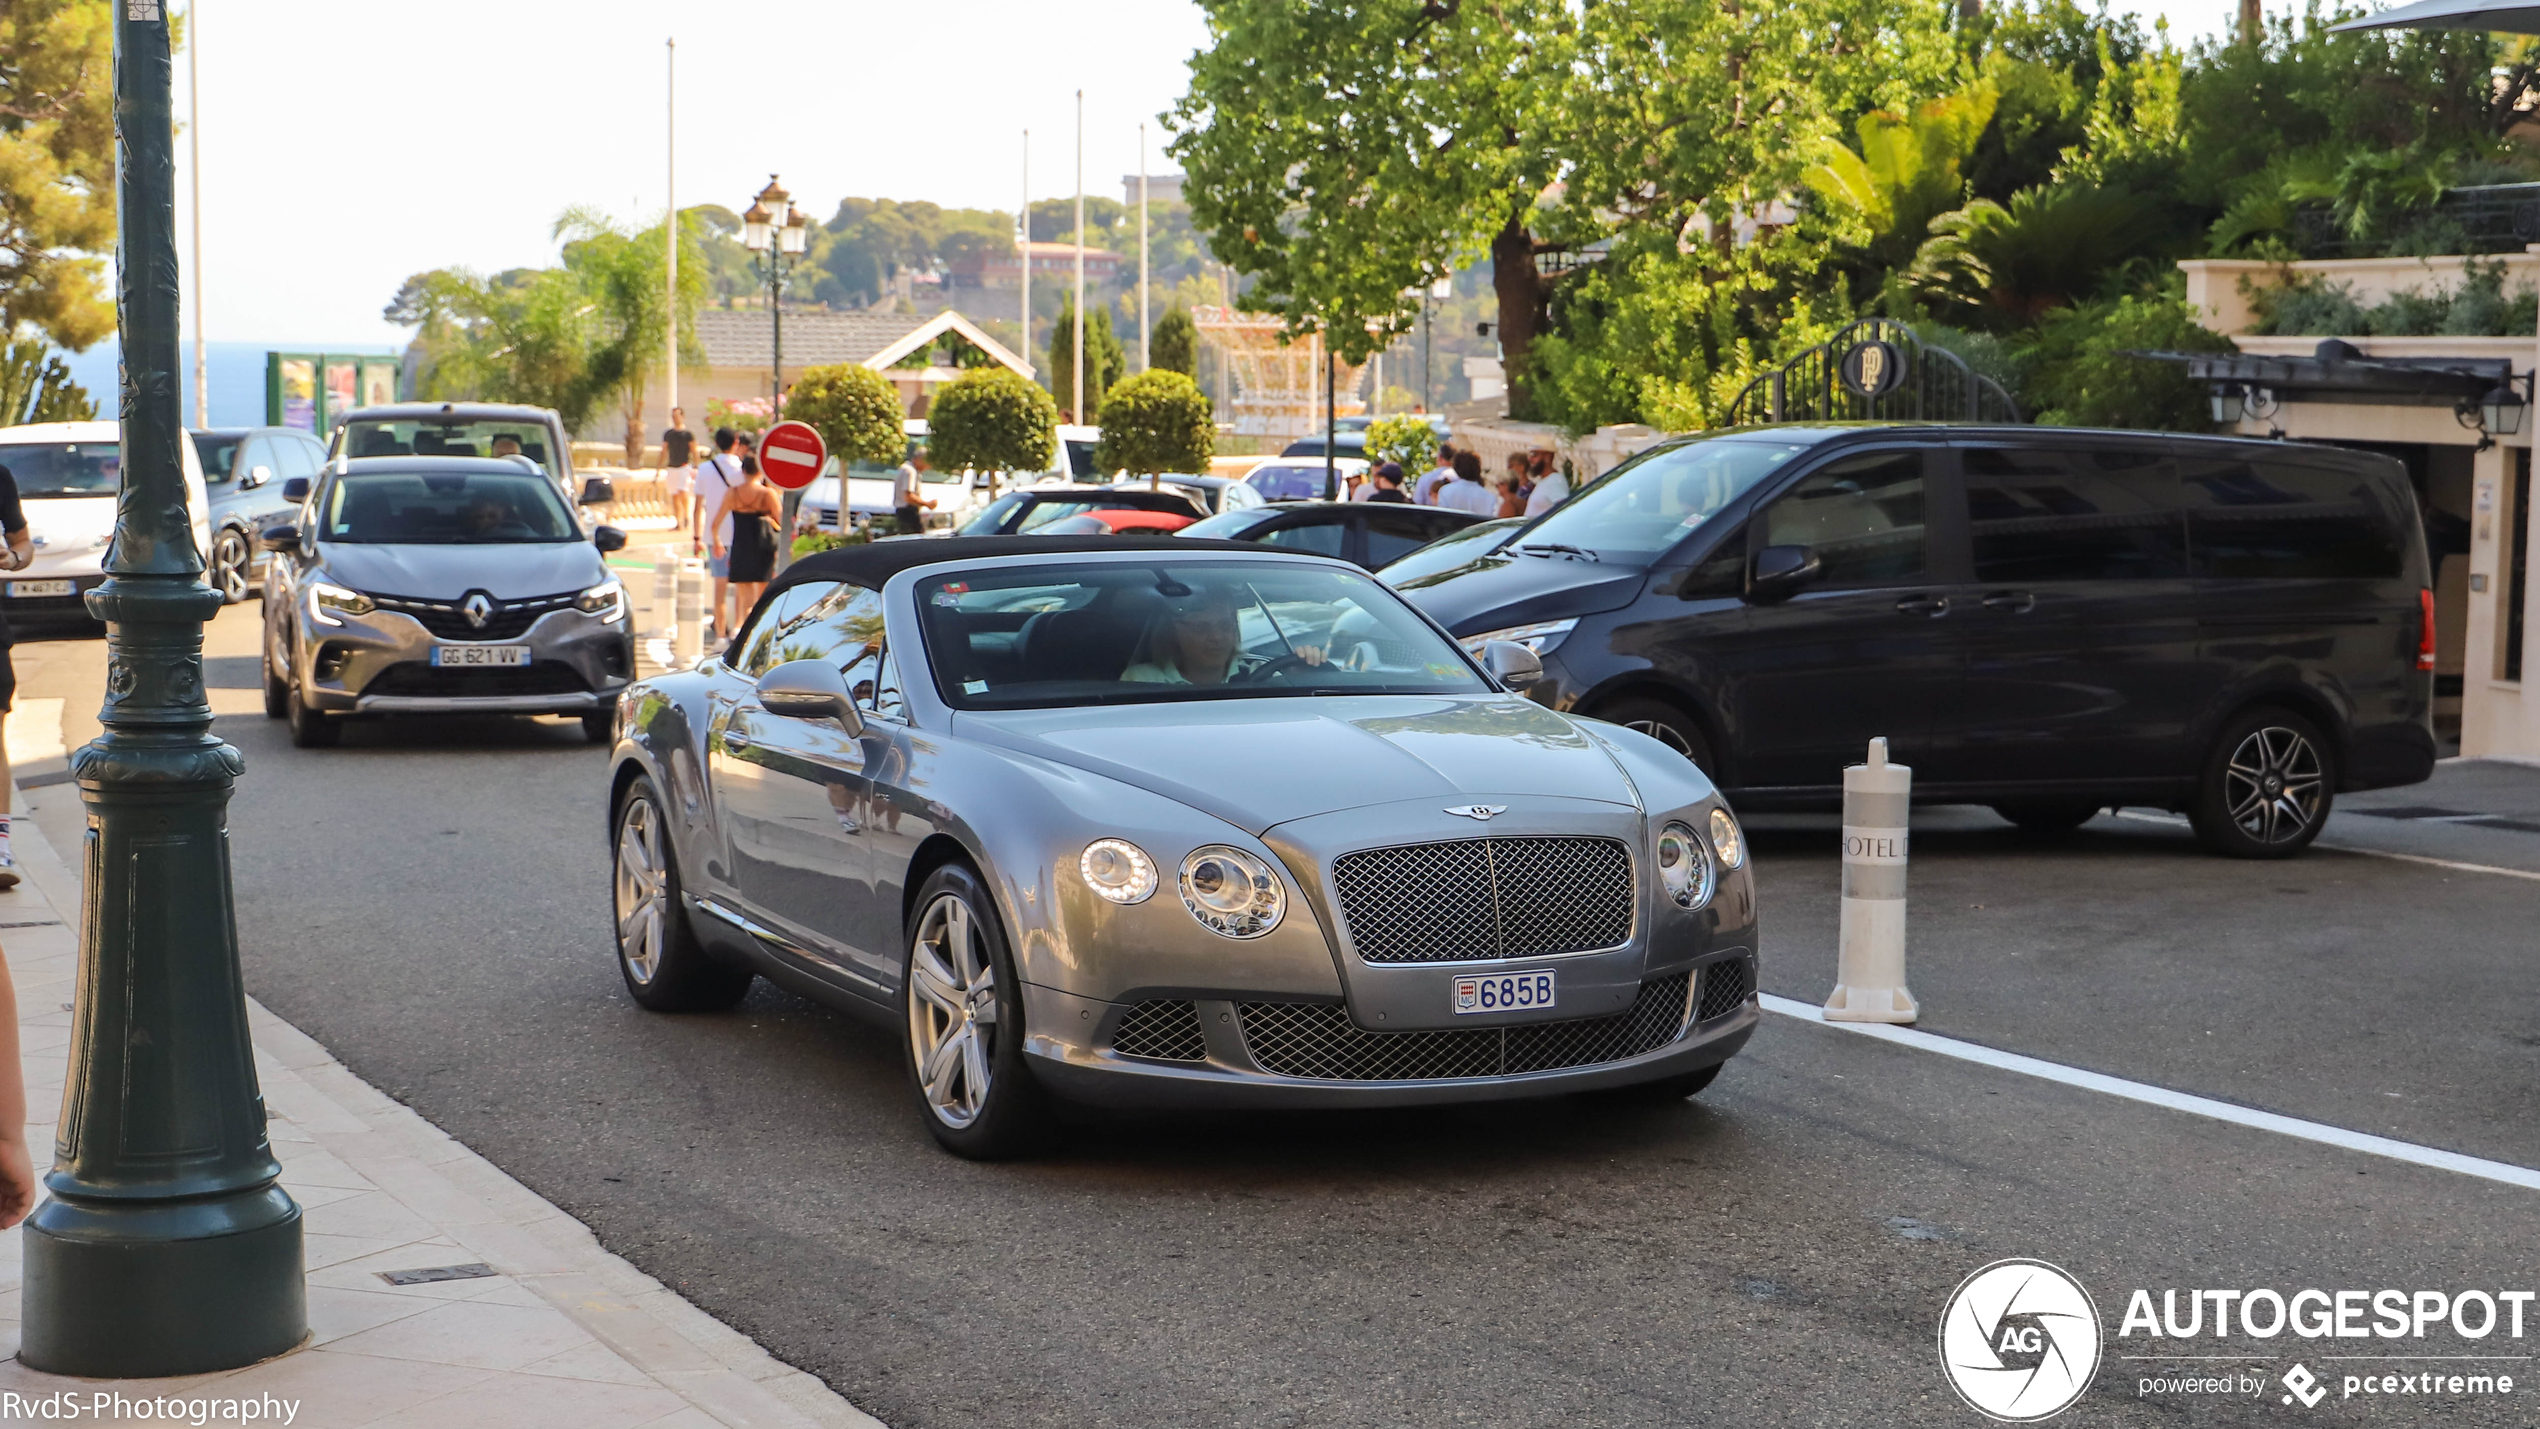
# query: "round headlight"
1726,841
1118,870
1684,870
1231,892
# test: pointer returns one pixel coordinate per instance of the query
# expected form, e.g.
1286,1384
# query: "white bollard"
665,585
690,640
1869,981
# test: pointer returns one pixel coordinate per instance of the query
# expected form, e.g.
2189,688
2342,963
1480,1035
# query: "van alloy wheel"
2274,784
952,1011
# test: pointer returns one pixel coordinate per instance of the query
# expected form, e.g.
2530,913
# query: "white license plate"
40,588
477,657
1504,992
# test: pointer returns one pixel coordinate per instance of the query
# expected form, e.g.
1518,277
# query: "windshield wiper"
1556,548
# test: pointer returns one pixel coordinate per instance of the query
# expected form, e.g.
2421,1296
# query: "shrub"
855,409
992,419
1157,421
1408,440
2084,372
1175,346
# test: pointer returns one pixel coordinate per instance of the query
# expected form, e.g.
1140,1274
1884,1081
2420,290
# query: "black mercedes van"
2049,621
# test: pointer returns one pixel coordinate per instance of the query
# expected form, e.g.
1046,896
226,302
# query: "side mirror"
295,489
283,540
256,476
809,689
608,539
597,491
1513,665
1779,572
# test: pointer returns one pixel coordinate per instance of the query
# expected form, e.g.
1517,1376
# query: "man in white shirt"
719,475
1466,492
1551,489
1425,491
909,502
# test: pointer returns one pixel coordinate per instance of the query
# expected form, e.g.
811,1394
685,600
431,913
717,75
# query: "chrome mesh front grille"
1470,899
1317,1039
1726,985
1162,1031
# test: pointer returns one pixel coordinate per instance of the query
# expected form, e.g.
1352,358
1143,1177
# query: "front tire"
962,1025
230,559
277,689
2266,787
2049,816
310,729
666,969
600,726
1668,725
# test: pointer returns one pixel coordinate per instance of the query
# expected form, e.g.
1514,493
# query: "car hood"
1497,591
507,572
1256,763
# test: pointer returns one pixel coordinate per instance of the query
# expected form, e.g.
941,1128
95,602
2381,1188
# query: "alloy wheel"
229,566
1665,733
2274,784
952,1011
639,890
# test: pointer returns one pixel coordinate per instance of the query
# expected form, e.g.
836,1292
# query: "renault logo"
1481,813
478,609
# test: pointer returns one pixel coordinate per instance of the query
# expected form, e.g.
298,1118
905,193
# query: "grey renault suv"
440,585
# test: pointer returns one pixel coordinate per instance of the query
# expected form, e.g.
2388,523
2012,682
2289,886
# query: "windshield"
1291,482
219,455
1450,552
1642,508
1060,636
64,468
454,438
441,508
1080,459
1230,525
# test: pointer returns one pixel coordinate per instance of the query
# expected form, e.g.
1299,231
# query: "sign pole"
167,1246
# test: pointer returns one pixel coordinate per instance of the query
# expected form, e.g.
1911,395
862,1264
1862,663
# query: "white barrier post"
665,588
1869,984
689,641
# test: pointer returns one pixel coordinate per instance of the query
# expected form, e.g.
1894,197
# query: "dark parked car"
244,469
1371,534
1457,548
461,429
1020,513
2049,622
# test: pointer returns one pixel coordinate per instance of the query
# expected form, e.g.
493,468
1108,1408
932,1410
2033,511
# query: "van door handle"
2017,602
1924,605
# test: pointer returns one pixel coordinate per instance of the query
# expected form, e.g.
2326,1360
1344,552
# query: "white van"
68,474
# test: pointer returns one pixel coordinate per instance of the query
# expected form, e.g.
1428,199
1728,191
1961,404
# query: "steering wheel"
1272,669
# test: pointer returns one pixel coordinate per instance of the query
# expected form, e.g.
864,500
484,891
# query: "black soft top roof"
875,562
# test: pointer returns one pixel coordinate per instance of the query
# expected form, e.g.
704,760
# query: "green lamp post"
167,1246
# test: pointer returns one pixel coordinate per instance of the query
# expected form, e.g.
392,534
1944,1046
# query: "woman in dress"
754,509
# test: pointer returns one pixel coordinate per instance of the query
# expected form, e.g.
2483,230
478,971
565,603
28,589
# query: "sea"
235,373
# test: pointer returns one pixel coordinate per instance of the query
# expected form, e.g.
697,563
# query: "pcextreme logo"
2020,1341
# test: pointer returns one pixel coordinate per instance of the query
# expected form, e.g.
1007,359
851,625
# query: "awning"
2340,372
2453,15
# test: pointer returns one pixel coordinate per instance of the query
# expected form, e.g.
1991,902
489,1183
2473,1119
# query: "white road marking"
2325,1135
2452,864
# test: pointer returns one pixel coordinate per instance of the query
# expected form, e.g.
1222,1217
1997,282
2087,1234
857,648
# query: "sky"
346,146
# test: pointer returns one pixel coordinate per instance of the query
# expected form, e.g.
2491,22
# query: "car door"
797,795
1870,648
901,811
2079,619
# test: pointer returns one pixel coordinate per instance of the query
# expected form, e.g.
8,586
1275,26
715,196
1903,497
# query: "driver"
486,516
1197,641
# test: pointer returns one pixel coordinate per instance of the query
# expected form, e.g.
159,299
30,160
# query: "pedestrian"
749,513
679,468
715,480
1385,484
1466,491
909,501
1426,492
1552,487
1513,486
19,555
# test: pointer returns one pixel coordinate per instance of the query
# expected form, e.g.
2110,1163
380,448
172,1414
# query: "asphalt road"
429,901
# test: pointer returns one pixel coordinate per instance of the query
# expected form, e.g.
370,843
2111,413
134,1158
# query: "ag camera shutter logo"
2020,1341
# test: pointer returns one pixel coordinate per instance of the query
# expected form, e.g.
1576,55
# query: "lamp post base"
164,1288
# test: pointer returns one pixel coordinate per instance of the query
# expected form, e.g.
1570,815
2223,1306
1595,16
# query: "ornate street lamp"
776,232
167,1246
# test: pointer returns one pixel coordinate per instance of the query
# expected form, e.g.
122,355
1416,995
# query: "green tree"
1408,440
1908,170
1104,360
36,387
1157,421
57,168
855,409
2084,371
629,305
1175,346
992,419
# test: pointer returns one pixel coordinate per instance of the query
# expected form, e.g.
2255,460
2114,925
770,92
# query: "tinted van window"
2039,514
2277,519
1863,515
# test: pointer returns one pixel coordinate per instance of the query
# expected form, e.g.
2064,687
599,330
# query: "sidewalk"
545,1330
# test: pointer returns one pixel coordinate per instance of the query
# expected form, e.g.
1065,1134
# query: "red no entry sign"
792,454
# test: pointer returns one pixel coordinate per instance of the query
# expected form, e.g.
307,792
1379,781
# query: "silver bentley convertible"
1171,823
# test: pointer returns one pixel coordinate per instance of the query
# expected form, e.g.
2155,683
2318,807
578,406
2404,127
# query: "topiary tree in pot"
1155,422
992,419
857,412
